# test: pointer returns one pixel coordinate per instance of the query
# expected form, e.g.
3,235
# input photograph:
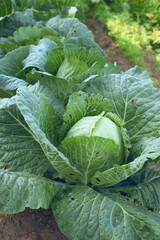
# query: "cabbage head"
96,143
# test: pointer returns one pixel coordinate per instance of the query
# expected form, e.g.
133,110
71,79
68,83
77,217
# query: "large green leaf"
40,116
69,27
18,19
82,41
5,8
73,68
54,60
72,61
44,89
88,154
82,213
8,85
134,99
7,44
146,190
11,64
19,152
149,152
30,34
38,54
20,190
2,53
61,87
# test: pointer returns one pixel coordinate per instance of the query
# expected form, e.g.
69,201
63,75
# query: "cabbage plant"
75,135
86,157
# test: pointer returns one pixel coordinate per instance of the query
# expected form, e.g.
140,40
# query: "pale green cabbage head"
99,126
102,136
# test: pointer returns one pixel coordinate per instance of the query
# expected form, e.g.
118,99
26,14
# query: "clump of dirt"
30,225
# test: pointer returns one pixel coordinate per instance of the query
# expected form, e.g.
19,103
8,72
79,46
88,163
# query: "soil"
40,224
30,225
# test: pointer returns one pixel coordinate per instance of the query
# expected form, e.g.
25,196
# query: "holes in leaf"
70,116
123,193
98,179
6,167
151,209
59,180
133,102
72,199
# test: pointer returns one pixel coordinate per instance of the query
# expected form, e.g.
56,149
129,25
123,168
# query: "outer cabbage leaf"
144,189
134,99
29,35
69,27
84,42
41,89
7,44
2,53
82,213
19,152
11,64
61,87
73,31
20,190
65,87
40,116
9,84
5,8
38,54
18,19
32,34
90,154
150,152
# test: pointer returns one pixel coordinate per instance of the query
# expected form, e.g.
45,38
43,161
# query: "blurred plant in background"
123,27
135,25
